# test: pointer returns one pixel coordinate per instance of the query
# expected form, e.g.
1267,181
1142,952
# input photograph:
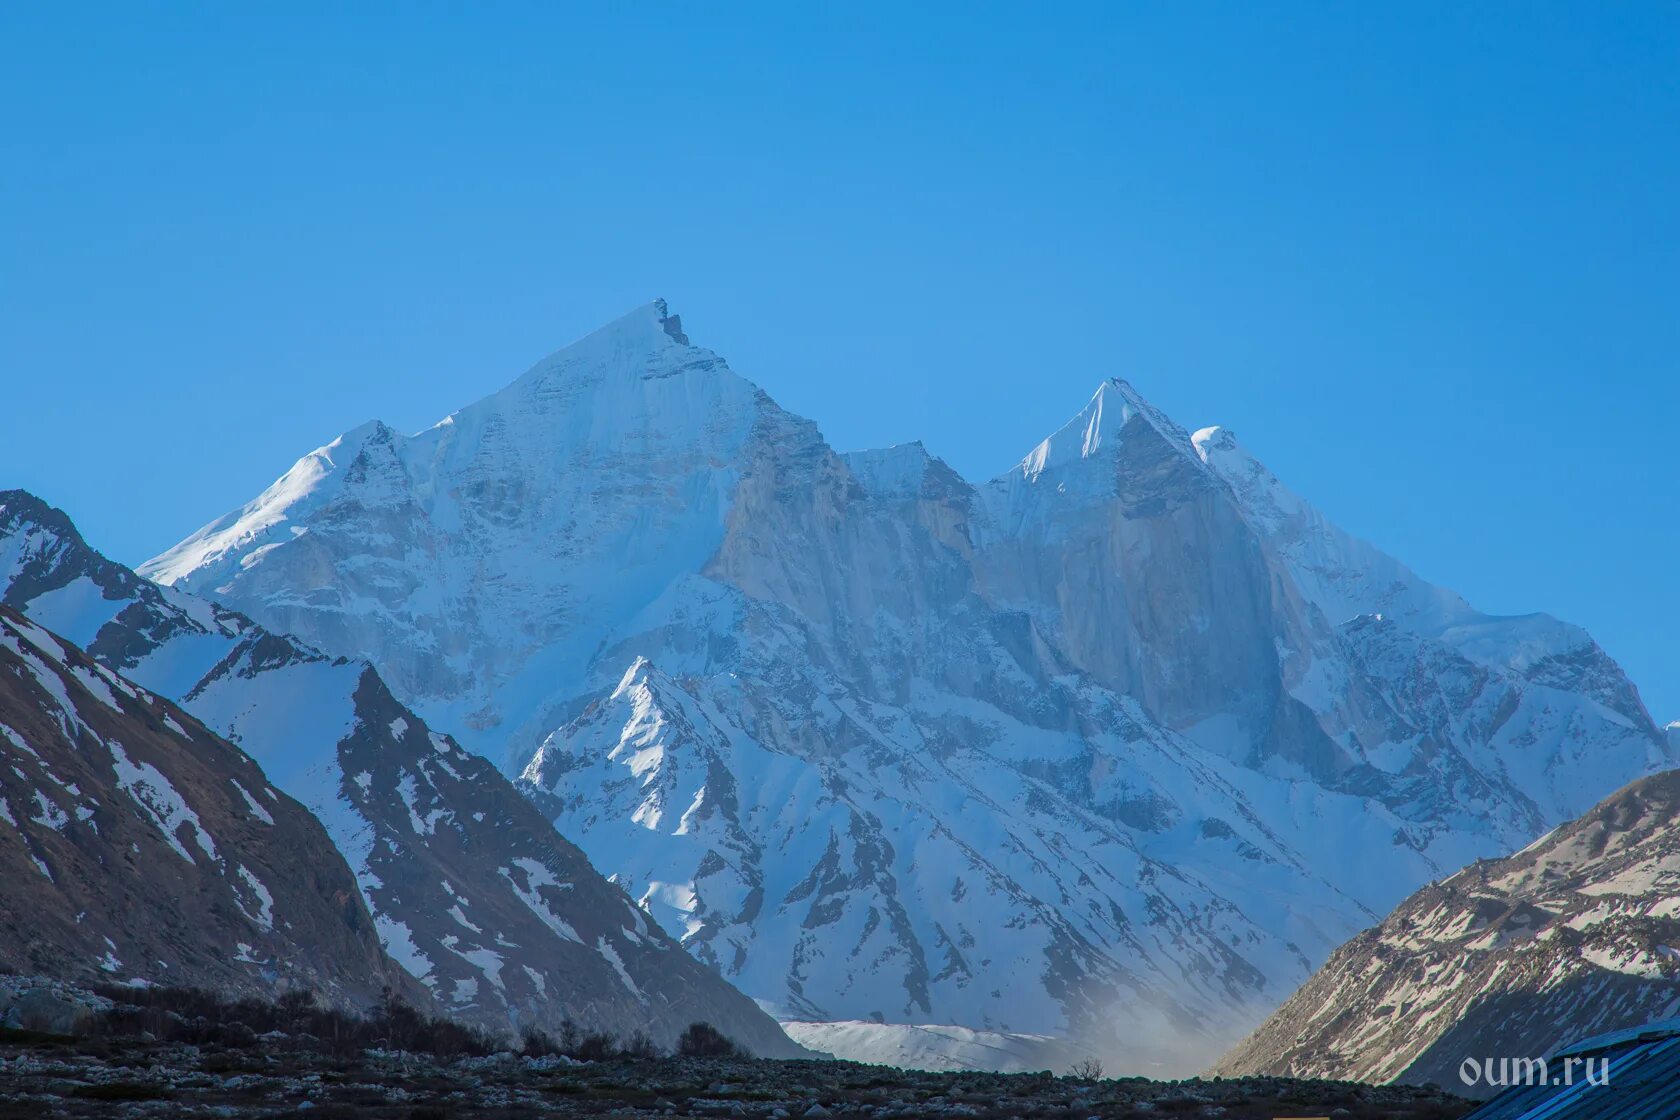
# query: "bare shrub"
1087,1069
702,1040
196,1017
639,1047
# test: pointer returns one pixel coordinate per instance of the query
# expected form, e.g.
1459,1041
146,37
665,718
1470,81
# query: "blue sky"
1425,261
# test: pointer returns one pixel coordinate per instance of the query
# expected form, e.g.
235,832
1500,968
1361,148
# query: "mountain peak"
1121,390
651,317
867,668
672,324
19,507
645,343
41,549
1095,430
1120,387
651,322
640,672
22,498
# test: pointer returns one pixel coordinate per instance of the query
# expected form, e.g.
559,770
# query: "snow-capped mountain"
1116,746
1575,935
136,845
471,890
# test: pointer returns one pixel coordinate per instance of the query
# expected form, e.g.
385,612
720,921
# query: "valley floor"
48,1077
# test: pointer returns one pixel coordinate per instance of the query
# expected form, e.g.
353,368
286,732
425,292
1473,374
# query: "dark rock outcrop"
135,843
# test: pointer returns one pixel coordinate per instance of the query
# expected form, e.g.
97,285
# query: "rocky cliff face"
136,845
1575,935
471,890
1057,753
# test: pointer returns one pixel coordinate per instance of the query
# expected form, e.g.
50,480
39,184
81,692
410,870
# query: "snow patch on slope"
161,803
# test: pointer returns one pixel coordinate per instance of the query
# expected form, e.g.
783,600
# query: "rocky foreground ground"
45,1077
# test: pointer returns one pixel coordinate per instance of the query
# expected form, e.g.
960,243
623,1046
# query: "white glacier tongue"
885,745
934,1047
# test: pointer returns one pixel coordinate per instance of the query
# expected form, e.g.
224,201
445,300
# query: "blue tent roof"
1640,1082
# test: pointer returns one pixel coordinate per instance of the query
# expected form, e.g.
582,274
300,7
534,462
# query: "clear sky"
1424,260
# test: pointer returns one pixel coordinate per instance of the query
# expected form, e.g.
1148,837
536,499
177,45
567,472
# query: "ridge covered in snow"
1054,754
471,891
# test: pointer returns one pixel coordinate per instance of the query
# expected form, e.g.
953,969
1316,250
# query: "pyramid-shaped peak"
1121,398
644,679
640,672
648,340
1121,389
650,321
1094,432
